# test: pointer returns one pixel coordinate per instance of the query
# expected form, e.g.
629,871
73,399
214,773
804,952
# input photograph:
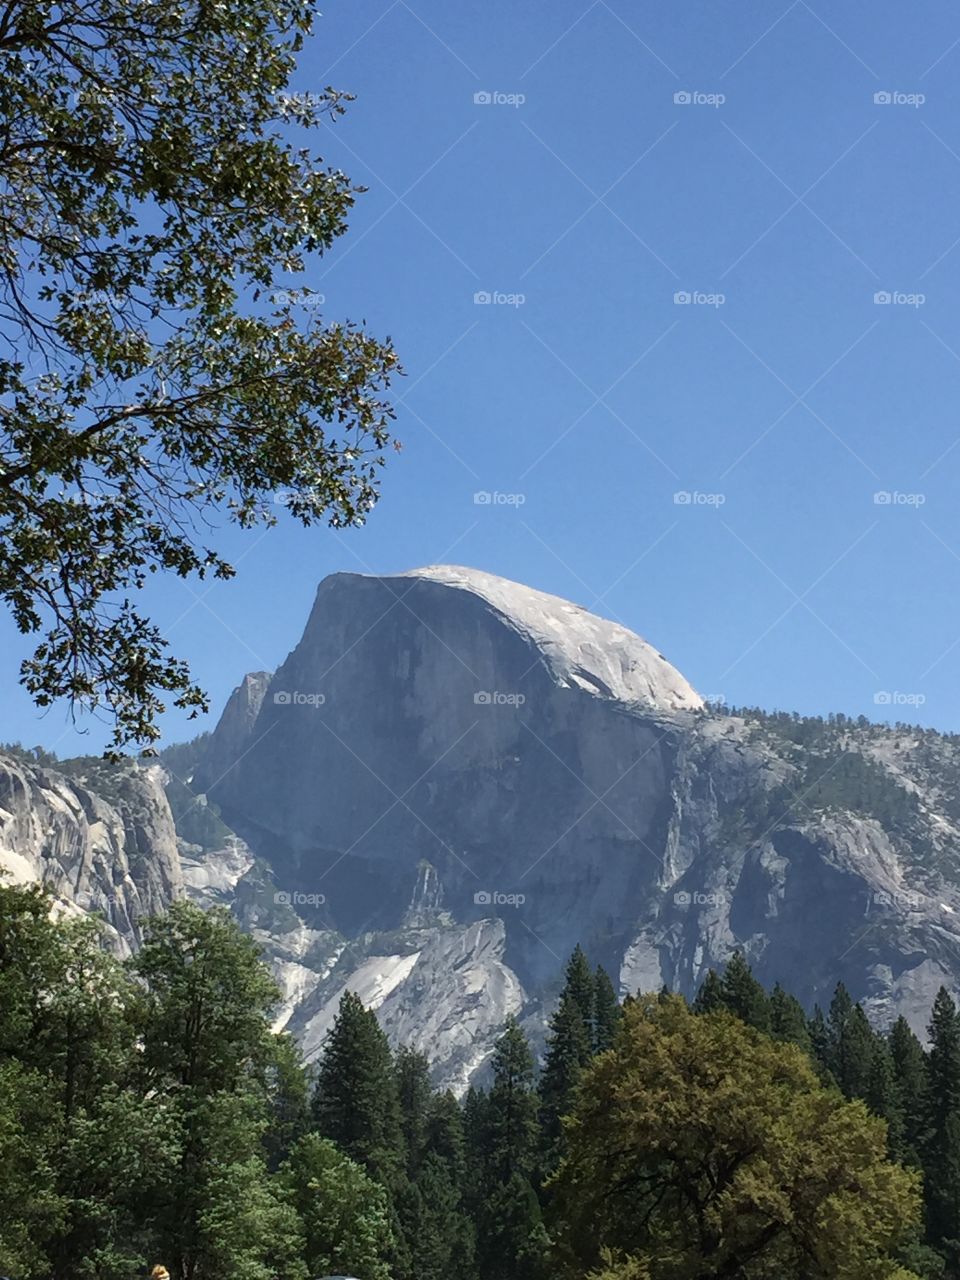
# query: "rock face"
518,744
453,779
563,782
115,857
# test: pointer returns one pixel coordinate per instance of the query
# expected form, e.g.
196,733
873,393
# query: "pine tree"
820,1044
568,1051
476,1145
412,1072
443,1183
882,1096
355,1103
788,1022
289,1100
743,995
910,1073
606,1011
510,1235
710,996
445,1137
580,985
942,1154
850,1047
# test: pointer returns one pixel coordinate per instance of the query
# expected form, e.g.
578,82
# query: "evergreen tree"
820,1044
510,1235
606,1011
355,1103
569,1050
442,1183
580,986
743,995
910,1073
412,1074
850,1045
288,1089
445,1137
882,1096
476,1142
942,1154
710,996
788,1022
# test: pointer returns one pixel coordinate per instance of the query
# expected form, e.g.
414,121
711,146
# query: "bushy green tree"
157,220
206,1048
703,1148
344,1214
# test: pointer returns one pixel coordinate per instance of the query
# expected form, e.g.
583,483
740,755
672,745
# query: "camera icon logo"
682,899
282,698
483,897
882,298
483,98
681,298
883,98
683,98
482,699
482,298
282,898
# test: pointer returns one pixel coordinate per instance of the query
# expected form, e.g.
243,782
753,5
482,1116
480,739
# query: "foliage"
163,368
148,1111
704,1148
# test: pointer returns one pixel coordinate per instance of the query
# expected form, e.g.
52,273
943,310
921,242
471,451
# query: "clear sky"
735,153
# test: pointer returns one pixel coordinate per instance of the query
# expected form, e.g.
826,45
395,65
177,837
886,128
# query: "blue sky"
738,155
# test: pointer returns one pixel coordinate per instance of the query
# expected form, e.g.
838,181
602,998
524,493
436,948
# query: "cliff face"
117,857
452,780
561,779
